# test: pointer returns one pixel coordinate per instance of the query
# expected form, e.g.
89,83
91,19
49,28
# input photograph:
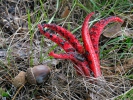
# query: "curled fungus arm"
96,30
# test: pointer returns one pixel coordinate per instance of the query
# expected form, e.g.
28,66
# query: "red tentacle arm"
90,52
64,44
97,29
82,66
61,56
67,35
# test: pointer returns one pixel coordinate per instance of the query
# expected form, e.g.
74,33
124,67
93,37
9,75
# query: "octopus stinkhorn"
86,57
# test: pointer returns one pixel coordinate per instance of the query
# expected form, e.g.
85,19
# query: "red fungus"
85,58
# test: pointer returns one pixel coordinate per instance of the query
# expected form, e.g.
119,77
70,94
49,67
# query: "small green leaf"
5,94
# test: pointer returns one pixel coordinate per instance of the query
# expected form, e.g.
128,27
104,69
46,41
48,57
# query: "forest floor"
22,46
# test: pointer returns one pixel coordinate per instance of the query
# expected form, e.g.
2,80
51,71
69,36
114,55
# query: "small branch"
17,92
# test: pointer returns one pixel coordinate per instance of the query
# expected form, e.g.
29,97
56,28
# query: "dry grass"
22,46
